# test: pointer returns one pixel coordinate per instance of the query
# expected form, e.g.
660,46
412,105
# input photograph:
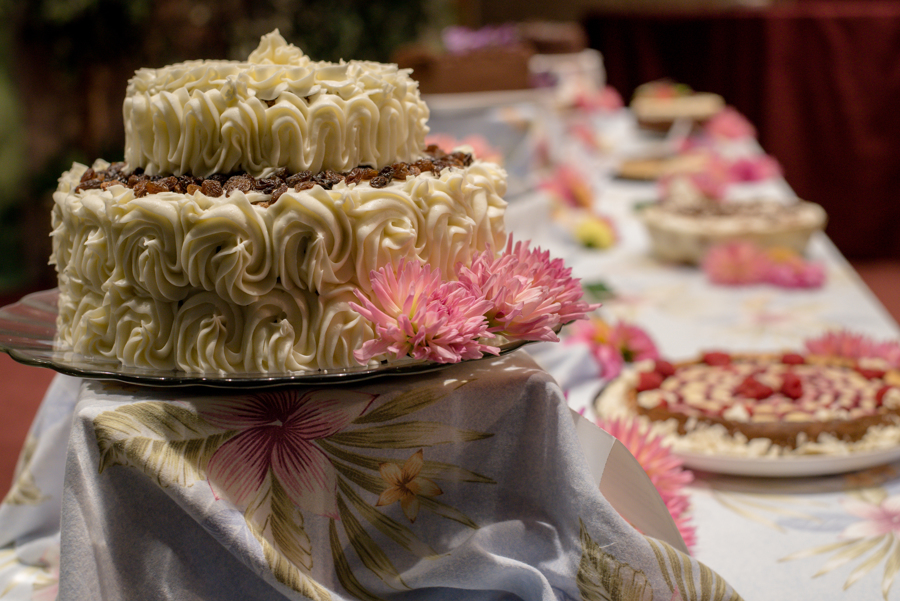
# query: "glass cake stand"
28,335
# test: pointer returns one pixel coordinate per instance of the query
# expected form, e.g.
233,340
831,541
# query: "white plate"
789,467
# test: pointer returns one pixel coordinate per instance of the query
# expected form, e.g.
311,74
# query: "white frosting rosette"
277,109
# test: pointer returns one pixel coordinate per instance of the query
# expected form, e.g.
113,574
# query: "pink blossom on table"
614,345
276,435
889,351
735,263
754,169
633,343
530,294
583,132
711,182
606,99
841,343
569,187
876,519
789,270
666,471
596,333
729,124
481,148
417,314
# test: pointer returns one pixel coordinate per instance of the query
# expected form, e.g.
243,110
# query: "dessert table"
831,536
473,481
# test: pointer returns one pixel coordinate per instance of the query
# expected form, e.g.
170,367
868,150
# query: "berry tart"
763,404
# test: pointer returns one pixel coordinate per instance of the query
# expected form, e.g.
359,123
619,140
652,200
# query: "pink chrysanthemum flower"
735,264
841,343
754,169
614,345
789,270
729,124
415,313
666,471
530,295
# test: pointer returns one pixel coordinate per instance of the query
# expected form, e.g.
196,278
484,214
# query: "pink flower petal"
237,413
321,413
238,468
861,509
306,474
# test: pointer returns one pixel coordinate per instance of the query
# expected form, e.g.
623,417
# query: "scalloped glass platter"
28,332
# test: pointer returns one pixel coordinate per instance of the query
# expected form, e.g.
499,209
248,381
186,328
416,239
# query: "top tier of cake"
279,109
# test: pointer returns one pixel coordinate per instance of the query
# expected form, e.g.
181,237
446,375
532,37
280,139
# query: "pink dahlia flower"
415,313
735,264
729,124
789,270
666,471
529,295
842,343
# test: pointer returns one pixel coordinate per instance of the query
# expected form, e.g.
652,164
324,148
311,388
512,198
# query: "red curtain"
821,81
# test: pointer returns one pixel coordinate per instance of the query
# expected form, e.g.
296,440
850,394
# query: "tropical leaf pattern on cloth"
281,456
604,577
24,491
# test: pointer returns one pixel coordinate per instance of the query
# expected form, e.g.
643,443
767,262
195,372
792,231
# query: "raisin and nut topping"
435,161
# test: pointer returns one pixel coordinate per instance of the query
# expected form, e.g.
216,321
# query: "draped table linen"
464,483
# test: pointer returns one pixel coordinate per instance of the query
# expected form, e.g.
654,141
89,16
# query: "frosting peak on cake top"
277,109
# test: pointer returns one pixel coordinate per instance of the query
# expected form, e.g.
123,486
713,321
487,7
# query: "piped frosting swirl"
279,109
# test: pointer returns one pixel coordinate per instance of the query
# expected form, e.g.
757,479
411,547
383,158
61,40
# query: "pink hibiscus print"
276,438
876,520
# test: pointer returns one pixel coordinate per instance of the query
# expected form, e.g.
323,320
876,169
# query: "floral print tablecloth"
464,483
